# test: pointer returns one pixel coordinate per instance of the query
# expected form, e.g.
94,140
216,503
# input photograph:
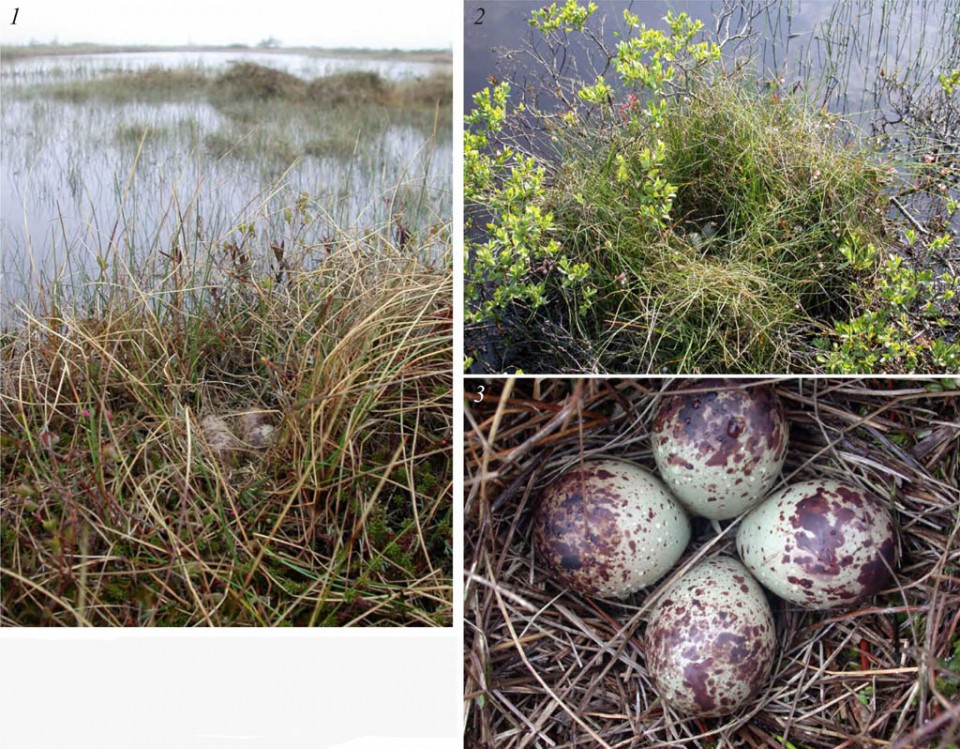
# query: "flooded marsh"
213,142
225,365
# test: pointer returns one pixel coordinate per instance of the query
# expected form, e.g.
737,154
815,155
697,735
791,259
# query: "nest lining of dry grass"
545,667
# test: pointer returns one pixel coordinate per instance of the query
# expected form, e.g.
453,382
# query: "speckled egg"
711,640
822,544
720,448
608,528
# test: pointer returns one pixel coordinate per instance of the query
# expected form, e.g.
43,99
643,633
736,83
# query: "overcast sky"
380,24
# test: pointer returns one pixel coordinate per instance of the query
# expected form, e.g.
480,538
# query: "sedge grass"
834,247
121,507
783,192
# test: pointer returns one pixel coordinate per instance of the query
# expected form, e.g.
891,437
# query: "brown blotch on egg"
720,450
820,544
709,644
608,528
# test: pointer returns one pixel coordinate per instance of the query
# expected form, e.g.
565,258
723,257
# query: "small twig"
916,224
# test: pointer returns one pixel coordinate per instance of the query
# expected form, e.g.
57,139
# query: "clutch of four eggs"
608,528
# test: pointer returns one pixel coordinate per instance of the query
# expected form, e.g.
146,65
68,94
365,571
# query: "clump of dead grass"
547,667
249,81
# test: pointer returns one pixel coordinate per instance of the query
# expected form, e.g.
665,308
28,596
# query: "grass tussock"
751,260
355,87
435,89
235,442
348,87
253,84
664,205
544,666
152,84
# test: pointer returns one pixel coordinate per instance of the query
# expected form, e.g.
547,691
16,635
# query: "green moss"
114,592
378,528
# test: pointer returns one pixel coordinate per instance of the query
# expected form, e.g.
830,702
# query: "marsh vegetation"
675,197
225,369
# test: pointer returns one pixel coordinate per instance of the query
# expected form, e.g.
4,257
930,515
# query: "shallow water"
835,47
81,179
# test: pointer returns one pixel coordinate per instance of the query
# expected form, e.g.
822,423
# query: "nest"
546,667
